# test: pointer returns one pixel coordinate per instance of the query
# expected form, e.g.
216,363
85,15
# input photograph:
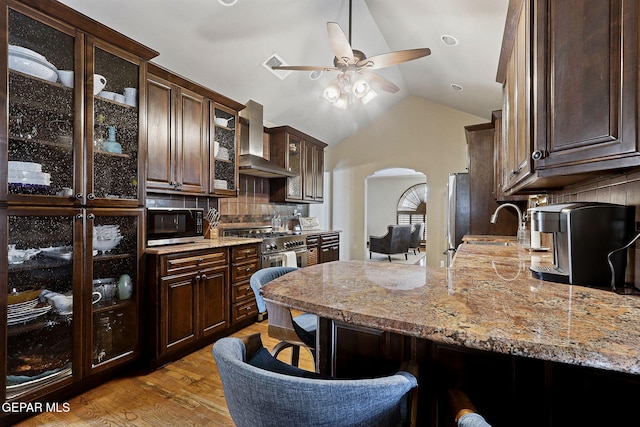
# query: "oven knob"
286,245
274,246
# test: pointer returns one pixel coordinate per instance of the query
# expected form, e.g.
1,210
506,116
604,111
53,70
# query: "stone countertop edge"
488,300
220,242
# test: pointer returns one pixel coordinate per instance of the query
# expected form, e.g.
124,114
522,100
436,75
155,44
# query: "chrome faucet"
522,235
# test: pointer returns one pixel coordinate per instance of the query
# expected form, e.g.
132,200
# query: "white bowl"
220,121
32,65
105,245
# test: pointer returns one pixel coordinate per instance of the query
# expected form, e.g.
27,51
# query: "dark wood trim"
510,30
184,82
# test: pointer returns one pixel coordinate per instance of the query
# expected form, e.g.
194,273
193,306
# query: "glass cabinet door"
112,282
42,132
294,184
223,151
114,171
43,263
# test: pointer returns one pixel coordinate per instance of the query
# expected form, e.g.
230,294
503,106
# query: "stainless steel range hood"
251,160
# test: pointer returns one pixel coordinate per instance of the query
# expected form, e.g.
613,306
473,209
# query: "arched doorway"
383,190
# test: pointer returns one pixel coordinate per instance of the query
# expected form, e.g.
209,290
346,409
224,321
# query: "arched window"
412,207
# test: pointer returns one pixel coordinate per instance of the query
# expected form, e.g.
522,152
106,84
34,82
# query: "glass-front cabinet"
115,238
223,170
49,74
43,136
43,273
114,172
71,155
61,261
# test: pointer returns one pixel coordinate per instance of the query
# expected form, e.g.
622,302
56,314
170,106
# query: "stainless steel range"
275,245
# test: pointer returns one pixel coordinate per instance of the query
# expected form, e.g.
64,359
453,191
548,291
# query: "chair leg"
406,257
389,258
414,252
295,355
369,254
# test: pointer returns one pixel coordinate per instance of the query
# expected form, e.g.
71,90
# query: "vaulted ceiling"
224,48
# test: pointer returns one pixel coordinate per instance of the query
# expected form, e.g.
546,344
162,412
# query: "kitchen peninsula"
486,313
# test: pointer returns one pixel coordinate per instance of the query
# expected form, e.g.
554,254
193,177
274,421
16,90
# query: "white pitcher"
99,82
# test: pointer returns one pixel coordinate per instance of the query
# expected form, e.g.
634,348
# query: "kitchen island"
487,301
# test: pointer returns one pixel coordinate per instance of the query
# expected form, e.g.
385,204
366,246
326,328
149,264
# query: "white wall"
415,133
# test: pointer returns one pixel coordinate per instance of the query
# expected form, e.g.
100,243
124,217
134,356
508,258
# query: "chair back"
416,235
262,391
264,276
400,237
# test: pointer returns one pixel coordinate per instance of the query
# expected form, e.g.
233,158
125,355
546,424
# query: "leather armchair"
416,237
396,241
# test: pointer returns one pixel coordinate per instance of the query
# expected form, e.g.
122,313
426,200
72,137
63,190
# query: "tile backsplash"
250,208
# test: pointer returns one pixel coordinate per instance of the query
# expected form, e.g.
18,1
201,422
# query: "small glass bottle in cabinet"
114,284
42,267
115,133
42,129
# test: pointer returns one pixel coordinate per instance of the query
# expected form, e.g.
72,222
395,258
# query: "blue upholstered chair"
294,332
262,391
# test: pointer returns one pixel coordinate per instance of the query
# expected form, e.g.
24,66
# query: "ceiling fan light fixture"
456,87
332,91
360,87
315,74
227,2
343,101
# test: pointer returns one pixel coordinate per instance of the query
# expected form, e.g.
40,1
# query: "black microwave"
167,226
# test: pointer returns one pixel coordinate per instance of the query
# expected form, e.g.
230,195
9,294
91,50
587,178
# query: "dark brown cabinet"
73,155
570,101
197,296
245,261
177,147
302,155
329,247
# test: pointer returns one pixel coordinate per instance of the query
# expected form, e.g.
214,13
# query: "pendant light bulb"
360,87
332,91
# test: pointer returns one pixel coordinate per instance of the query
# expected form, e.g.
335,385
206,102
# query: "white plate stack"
25,311
28,173
29,62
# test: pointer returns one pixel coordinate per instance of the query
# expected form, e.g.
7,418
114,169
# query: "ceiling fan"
355,80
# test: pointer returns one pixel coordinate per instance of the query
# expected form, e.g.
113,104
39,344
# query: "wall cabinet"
72,156
581,115
177,138
197,296
300,154
192,144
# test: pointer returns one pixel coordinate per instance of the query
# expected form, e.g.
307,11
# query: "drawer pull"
249,268
200,260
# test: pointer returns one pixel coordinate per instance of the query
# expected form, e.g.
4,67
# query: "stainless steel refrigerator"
458,212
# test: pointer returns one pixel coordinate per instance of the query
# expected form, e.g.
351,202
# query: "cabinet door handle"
198,278
91,196
204,277
79,196
91,216
79,216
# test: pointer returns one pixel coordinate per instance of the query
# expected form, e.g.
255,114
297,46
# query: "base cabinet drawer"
244,310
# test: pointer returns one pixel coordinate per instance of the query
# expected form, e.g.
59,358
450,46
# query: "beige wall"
416,134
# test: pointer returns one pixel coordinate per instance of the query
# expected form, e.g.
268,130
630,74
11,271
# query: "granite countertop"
219,242
488,300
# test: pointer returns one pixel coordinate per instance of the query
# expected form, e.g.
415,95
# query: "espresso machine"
584,233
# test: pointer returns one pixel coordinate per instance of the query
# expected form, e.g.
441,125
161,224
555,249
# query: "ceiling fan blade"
393,58
304,68
379,82
340,44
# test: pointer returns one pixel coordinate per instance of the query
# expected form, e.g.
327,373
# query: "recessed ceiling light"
456,87
315,74
449,40
227,2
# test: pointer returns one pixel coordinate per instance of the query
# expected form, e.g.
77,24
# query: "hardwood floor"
187,392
